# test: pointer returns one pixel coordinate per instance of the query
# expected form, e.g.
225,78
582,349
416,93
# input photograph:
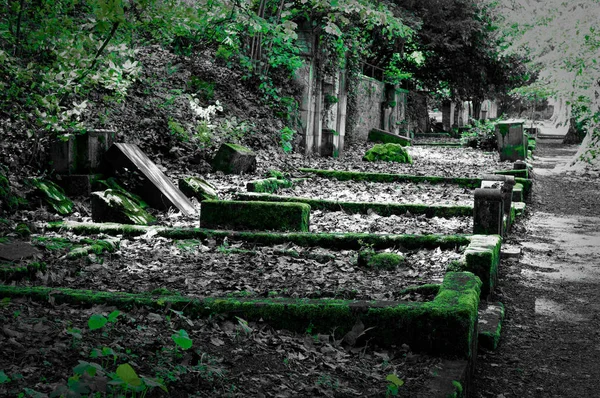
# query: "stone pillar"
512,143
488,212
338,141
448,115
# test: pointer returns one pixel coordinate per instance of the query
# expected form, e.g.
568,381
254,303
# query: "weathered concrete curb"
446,326
491,316
385,177
383,209
482,258
348,241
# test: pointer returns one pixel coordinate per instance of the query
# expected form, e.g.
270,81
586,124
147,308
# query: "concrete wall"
371,96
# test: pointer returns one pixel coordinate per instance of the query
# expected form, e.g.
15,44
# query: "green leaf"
182,340
113,315
97,321
155,383
128,375
392,378
4,377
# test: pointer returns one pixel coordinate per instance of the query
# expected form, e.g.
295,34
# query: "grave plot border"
447,325
482,258
383,209
340,241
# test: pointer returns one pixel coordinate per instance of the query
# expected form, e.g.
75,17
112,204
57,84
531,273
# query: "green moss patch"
53,195
527,185
379,261
8,200
255,215
269,185
386,177
10,271
387,153
445,326
376,135
482,258
383,209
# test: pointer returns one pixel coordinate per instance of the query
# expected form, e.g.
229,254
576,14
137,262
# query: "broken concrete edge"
445,326
341,241
53,195
521,173
490,325
377,135
257,215
271,185
10,271
385,177
383,209
482,257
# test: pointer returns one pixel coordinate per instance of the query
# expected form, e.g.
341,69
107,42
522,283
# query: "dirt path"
550,344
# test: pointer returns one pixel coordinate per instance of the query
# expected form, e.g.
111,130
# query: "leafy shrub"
481,135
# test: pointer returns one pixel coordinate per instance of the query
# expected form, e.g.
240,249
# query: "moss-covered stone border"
482,258
341,241
386,177
255,215
445,326
271,185
491,317
377,135
522,173
383,209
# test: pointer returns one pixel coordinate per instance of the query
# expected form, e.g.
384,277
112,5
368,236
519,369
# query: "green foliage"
287,135
177,130
182,340
481,135
394,384
387,153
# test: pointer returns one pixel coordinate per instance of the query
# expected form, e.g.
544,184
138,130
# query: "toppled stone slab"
116,206
17,250
377,135
156,189
268,216
387,153
198,188
53,195
491,316
234,159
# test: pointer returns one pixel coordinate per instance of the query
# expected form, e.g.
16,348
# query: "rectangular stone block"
377,135
255,215
155,188
488,212
512,142
80,153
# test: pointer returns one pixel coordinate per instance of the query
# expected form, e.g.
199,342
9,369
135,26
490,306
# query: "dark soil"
549,340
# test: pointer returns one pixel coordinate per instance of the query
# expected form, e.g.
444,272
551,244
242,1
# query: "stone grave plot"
206,268
427,160
305,363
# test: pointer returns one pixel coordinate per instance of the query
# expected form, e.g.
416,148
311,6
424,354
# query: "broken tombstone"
488,211
52,194
234,159
153,186
116,206
197,188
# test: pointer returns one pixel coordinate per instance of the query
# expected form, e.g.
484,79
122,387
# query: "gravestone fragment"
197,188
377,135
512,142
234,159
116,206
488,212
155,188
80,153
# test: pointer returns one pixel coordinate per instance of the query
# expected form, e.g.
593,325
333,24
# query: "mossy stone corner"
53,195
116,206
269,185
482,258
387,153
194,187
260,216
234,159
377,135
